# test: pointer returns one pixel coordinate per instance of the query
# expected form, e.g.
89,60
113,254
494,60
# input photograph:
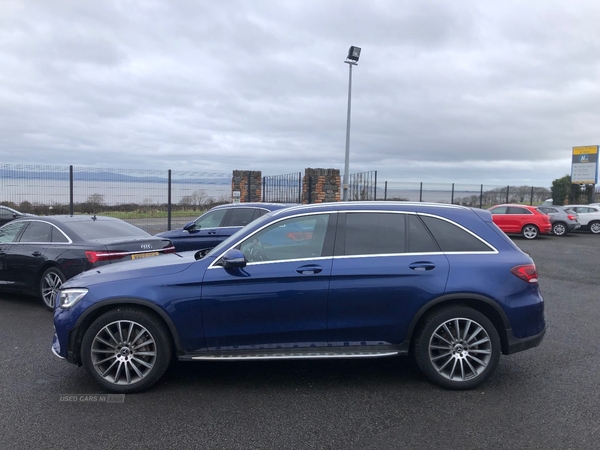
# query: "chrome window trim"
69,241
493,250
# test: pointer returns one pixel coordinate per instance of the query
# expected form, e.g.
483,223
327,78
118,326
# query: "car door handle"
309,269
212,232
36,253
422,265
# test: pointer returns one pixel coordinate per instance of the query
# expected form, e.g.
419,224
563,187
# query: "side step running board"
299,355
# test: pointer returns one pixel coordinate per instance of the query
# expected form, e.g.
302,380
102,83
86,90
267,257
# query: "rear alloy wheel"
50,282
595,227
530,231
126,350
457,348
559,229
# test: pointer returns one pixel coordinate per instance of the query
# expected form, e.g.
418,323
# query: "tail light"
526,272
571,217
95,256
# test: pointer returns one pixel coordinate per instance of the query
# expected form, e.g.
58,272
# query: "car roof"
68,219
263,205
374,205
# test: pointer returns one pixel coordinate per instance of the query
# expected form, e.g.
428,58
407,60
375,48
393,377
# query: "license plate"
143,255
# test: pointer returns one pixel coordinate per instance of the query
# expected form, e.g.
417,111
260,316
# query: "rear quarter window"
452,238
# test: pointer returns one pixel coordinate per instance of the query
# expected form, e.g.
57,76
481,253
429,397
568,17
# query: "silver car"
563,220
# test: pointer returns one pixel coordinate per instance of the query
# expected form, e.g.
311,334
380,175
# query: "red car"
521,219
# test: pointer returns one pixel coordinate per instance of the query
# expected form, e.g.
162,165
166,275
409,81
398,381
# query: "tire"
530,231
49,283
454,360
595,227
113,354
559,229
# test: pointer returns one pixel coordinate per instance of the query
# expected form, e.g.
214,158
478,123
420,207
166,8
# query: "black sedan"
37,254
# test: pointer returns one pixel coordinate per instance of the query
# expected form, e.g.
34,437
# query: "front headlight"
69,297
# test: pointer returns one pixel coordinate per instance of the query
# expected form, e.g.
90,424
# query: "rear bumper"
516,345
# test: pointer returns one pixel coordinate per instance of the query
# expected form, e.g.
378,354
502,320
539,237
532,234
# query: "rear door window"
239,217
369,233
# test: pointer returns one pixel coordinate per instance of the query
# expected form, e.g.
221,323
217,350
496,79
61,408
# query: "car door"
203,234
500,218
8,272
27,255
518,217
386,266
279,299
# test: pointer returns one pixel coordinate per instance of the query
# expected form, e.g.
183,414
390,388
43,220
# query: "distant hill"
108,176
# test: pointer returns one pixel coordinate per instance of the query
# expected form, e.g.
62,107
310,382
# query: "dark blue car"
338,280
217,224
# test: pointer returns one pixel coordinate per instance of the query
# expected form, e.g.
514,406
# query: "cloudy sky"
492,92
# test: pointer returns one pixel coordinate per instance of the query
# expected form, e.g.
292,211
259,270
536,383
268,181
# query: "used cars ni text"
525,220
338,280
217,224
37,254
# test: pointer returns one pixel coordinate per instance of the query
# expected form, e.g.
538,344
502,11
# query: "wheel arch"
95,311
484,305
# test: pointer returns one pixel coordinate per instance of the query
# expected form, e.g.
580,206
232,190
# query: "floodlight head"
353,54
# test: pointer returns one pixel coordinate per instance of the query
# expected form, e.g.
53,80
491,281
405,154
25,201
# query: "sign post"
584,166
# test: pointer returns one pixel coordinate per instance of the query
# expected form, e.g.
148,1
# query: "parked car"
563,221
526,220
353,279
217,224
7,214
588,216
37,254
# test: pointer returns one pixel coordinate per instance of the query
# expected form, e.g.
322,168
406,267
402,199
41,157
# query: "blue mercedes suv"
441,283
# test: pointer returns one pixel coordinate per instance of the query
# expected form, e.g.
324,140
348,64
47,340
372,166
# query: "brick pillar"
248,183
321,185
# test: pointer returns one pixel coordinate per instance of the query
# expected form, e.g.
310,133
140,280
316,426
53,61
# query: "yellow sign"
585,150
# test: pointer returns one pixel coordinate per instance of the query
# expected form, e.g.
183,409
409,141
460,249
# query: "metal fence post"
169,205
71,204
300,187
421,192
531,198
452,195
507,190
481,198
385,191
375,187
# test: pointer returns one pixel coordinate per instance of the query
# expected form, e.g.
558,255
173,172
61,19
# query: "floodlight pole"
347,159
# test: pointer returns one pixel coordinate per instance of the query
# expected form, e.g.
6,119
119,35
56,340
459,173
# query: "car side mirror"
189,226
234,259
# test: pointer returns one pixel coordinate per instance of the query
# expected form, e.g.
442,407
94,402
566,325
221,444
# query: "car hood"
155,266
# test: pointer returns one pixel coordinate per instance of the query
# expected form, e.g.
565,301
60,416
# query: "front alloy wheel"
457,348
126,350
530,231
